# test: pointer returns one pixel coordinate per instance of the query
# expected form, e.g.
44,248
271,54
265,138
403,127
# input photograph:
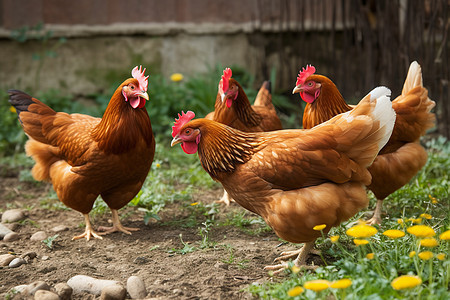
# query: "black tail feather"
20,100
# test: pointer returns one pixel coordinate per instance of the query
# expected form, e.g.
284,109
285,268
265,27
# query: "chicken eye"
310,83
132,87
187,131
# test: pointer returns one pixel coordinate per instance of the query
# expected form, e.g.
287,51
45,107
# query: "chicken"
295,179
84,157
403,156
233,108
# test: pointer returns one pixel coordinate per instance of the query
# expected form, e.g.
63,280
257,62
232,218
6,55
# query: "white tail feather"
414,78
383,112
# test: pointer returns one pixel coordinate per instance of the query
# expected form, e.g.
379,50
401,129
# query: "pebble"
11,226
11,237
13,215
64,291
32,288
60,228
82,283
4,231
136,287
19,289
38,236
45,257
17,262
5,259
113,292
30,255
45,295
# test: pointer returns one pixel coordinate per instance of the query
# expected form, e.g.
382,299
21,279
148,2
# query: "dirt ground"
213,273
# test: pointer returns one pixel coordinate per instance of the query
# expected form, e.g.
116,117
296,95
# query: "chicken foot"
302,254
89,231
376,218
225,199
117,225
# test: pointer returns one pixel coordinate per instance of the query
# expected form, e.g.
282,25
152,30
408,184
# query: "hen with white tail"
402,157
295,179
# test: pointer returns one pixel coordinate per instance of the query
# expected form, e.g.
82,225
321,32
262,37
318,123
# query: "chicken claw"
376,218
117,226
300,261
225,199
89,231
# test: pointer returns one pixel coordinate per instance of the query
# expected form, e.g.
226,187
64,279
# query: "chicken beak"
144,95
297,89
176,140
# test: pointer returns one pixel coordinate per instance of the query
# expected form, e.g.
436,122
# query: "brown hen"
233,108
295,179
84,157
403,156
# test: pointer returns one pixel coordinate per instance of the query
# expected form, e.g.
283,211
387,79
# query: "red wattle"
189,147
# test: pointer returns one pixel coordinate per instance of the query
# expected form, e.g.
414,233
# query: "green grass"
371,278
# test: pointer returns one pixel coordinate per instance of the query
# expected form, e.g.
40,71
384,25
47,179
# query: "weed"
50,240
187,248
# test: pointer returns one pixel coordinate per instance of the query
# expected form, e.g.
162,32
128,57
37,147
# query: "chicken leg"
376,218
117,226
89,231
225,199
302,254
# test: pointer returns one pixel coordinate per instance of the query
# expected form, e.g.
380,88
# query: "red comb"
223,85
305,73
182,119
139,75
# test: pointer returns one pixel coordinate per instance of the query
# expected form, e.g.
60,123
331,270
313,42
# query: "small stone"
30,255
64,291
32,288
17,262
82,283
136,287
221,265
45,295
38,236
60,228
13,215
4,230
45,257
11,237
5,259
19,289
141,260
113,292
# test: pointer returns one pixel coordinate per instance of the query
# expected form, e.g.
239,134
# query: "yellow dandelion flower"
334,238
425,255
341,284
12,109
319,227
295,269
175,77
194,203
433,199
361,231
429,242
426,216
421,231
317,285
412,253
370,255
417,221
394,233
295,291
440,256
359,242
400,221
445,235
406,282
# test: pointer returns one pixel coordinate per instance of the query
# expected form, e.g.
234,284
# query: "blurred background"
73,54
